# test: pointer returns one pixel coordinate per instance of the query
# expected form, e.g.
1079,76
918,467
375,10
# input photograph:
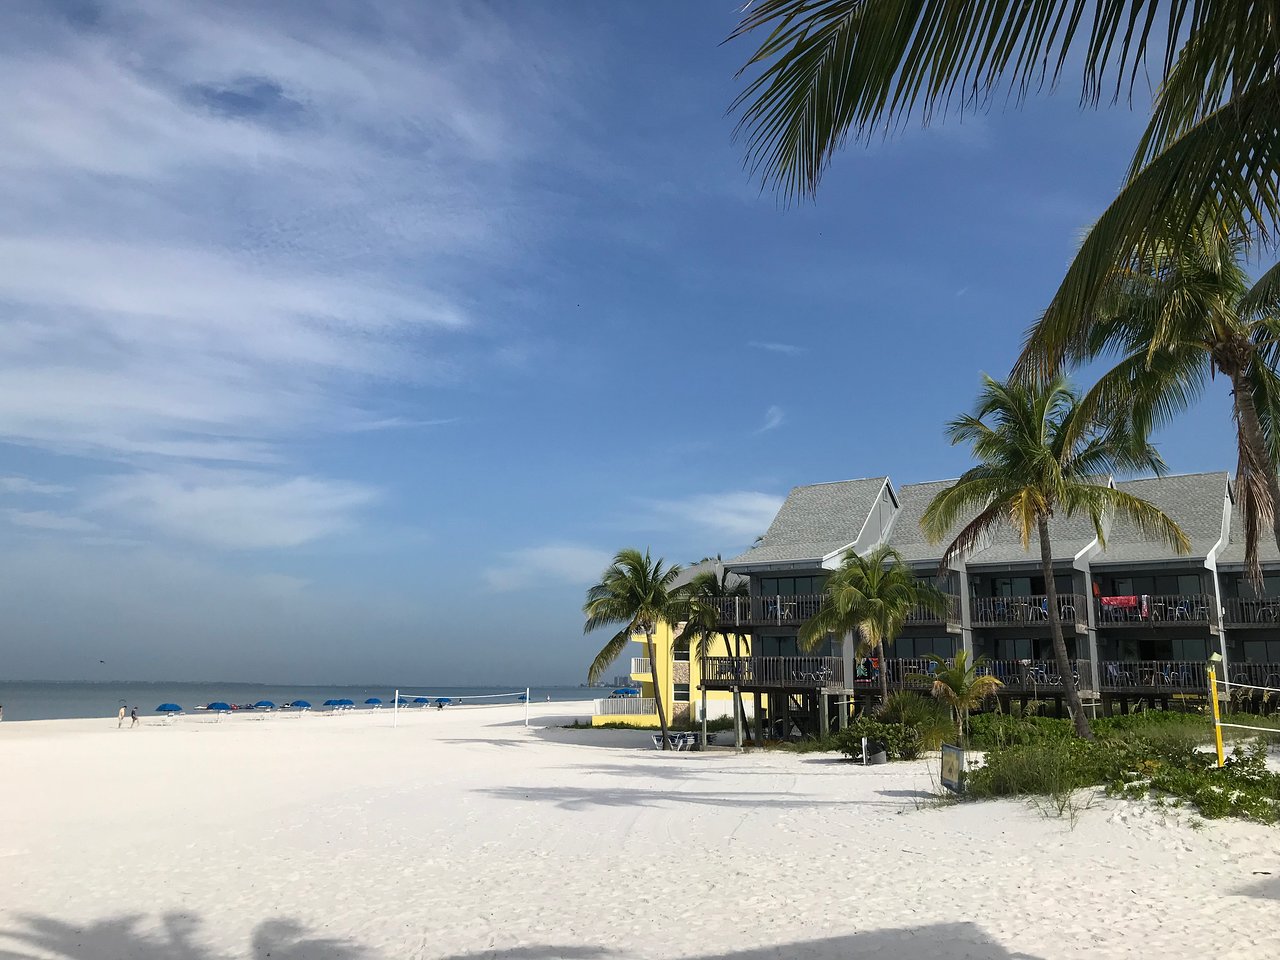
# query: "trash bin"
874,752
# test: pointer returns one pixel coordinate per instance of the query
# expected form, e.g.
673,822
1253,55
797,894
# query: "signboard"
953,768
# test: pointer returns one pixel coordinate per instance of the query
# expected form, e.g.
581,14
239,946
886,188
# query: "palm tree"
635,591
1041,454
827,71
698,607
960,686
872,595
1175,317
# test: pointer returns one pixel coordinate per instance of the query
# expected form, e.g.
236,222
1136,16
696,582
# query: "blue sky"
346,343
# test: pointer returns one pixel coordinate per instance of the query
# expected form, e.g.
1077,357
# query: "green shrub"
1050,767
902,742
991,731
931,718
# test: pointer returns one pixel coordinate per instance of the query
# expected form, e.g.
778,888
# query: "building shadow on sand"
178,938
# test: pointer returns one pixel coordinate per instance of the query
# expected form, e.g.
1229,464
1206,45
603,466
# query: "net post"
1217,717
526,706
395,710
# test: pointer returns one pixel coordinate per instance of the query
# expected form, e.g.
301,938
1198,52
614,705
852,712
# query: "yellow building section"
679,676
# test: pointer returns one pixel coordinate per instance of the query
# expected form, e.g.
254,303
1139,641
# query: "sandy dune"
464,834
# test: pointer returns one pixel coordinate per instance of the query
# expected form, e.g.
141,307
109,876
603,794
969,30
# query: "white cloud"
47,520
561,563
773,418
739,515
23,485
234,510
790,349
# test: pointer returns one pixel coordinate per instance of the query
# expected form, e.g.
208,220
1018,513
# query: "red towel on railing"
1119,601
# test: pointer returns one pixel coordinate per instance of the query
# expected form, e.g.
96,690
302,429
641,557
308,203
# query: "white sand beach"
464,834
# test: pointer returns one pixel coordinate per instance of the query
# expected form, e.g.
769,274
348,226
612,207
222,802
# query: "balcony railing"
773,671
782,610
922,616
625,707
1147,609
1243,612
1019,611
640,667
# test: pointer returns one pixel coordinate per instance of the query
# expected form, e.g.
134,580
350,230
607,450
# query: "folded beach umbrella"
302,703
168,708
265,703
218,705
374,701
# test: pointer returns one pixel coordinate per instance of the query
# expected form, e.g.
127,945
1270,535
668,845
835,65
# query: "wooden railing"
640,667
773,671
781,610
1255,674
1244,612
1017,611
625,707
1147,609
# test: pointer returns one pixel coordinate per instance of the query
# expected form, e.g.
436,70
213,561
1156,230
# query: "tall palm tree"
1039,454
635,591
871,595
960,686
698,606
1175,317
826,71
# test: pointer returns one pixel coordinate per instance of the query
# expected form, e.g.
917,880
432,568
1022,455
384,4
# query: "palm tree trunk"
1055,628
657,692
739,704
884,671
1254,458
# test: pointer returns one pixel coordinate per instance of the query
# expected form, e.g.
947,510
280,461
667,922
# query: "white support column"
395,710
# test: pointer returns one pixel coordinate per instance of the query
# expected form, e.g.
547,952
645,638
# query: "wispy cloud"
236,510
26,486
773,418
49,521
559,563
789,349
737,515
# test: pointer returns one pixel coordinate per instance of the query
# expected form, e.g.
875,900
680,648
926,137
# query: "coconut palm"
1039,453
636,592
871,595
1175,317
698,605
826,71
960,686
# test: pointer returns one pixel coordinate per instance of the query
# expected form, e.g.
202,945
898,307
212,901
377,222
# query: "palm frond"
608,654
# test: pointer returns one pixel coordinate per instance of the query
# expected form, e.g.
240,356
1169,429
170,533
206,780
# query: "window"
791,586
1262,651
910,647
681,694
1190,650
681,652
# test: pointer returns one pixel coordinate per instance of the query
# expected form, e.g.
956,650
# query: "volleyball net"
1230,687
419,700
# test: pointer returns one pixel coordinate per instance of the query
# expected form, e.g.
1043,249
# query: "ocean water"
58,701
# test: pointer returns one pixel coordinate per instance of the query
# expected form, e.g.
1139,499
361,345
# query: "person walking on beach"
133,717
120,717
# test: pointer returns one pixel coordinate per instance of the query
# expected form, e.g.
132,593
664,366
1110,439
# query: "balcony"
1021,611
1242,612
795,610
640,668
625,707
1195,609
792,672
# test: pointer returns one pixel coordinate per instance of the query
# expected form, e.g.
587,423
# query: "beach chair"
1117,677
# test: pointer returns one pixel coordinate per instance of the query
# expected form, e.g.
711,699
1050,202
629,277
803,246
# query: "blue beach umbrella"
302,703
218,705
626,692
332,703
346,703
265,703
168,708
374,701
421,699
443,700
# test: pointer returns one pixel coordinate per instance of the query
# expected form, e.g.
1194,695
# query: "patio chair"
1117,677
1039,613
1066,612
1182,611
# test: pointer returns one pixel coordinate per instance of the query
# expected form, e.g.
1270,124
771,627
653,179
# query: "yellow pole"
1217,718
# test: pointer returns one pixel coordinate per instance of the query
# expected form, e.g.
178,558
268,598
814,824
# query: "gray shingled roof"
816,520
1232,555
906,536
1067,536
1193,500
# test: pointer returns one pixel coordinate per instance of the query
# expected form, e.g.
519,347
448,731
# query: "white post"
526,706
395,710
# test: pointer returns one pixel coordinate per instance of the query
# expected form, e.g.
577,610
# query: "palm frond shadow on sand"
177,937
